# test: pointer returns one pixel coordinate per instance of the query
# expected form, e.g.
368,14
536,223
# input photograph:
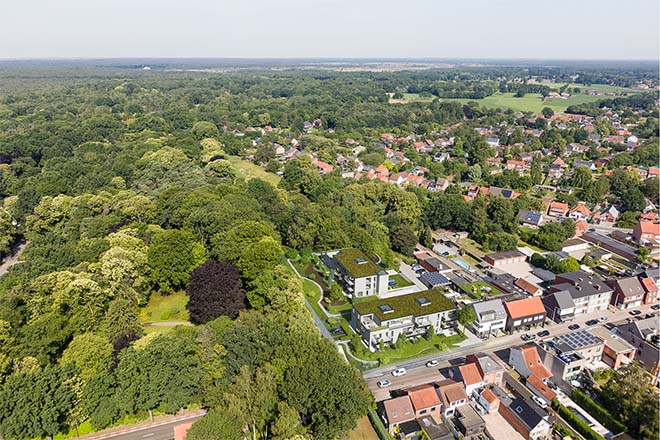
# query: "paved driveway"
499,428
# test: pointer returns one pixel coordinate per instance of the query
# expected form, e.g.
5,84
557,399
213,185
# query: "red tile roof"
528,287
489,396
424,396
399,410
533,362
649,228
524,307
649,285
470,374
541,387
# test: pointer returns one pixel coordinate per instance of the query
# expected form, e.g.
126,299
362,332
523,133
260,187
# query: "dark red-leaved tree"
215,289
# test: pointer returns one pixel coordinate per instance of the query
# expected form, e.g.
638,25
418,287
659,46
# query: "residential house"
646,232
559,306
528,287
507,257
489,401
471,377
385,320
435,430
496,191
584,163
441,184
589,293
643,335
557,209
398,415
491,317
650,290
566,355
358,275
523,314
609,215
628,292
610,244
433,280
518,166
530,218
469,422
322,167
425,400
493,142
580,213
433,264
616,351
527,418
527,362
452,394
540,388
574,148
490,368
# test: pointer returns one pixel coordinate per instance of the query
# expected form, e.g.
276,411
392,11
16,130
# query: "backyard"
480,289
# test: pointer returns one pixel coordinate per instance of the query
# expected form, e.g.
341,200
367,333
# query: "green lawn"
474,289
248,170
412,350
400,282
165,308
531,102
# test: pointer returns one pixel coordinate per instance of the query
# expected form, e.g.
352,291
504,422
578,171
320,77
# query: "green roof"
357,263
406,305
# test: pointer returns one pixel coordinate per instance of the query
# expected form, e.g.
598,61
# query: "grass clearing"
400,282
248,170
166,308
474,289
364,431
531,102
410,350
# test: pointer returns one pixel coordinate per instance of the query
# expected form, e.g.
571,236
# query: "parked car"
574,326
527,337
399,372
649,315
592,322
384,383
602,318
655,307
433,363
543,333
445,254
635,312
337,331
416,267
540,402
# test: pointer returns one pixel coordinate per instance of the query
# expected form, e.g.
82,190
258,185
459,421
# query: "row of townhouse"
496,317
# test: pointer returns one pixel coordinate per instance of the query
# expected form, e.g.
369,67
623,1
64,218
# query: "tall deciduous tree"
172,256
215,289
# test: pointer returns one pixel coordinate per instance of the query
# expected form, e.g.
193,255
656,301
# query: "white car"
602,318
384,383
399,372
540,402
433,363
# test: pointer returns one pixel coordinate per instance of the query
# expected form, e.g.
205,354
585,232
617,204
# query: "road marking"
148,435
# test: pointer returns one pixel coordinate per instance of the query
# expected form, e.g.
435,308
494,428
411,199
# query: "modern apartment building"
358,275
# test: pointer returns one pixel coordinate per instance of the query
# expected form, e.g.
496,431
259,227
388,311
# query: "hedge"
597,412
377,423
580,426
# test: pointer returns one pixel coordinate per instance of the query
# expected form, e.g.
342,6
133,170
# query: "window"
422,411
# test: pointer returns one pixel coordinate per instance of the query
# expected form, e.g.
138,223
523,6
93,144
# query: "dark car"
592,322
649,315
635,312
543,334
655,307
574,326
337,331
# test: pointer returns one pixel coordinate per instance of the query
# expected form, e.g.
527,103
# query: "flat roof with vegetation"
357,263
417,304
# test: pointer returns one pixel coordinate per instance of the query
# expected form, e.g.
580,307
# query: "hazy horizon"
294,29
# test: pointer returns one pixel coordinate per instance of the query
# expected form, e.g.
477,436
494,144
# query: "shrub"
578,424
378,426
597,411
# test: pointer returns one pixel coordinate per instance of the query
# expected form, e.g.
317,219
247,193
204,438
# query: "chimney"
578,287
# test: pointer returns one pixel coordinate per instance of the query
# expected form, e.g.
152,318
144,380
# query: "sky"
550,29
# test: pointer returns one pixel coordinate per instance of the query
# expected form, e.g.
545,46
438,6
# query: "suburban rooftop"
417,304
357,263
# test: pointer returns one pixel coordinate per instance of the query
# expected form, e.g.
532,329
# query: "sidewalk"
143,424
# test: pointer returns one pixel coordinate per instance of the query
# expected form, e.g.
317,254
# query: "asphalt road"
159,431
419,374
